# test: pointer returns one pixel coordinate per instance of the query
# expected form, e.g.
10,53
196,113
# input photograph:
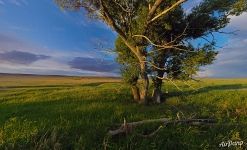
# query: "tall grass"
78,115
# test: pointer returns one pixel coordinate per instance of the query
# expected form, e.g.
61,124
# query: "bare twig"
155,66
169,45
152,43
122,7
153,133
186,83
165,78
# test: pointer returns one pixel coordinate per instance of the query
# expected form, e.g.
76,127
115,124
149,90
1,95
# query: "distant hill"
38,75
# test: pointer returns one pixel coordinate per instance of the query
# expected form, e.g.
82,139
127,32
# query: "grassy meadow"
53,112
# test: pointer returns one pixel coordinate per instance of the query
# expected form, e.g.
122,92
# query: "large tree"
154,30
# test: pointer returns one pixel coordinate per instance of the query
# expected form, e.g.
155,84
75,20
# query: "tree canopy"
157,37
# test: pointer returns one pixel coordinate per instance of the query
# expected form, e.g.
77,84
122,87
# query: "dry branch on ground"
129,127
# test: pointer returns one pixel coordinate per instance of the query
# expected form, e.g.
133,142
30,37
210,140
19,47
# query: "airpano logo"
230,143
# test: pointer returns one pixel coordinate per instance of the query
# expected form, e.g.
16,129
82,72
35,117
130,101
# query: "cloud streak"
23,58
18,56
9,43
14,2
93,64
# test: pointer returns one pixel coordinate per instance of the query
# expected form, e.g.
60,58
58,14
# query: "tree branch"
167,10
152,43
165,46
153,9
109,20
127,127
155,66
165,78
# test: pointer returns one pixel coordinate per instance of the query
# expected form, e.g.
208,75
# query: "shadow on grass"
224,87
207,89
93,84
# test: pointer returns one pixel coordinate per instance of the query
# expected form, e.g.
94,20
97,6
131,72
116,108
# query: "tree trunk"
135,93
144,84
157,92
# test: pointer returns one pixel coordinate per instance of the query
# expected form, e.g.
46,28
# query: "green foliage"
239,7
130,68
130,74
184,65
213,15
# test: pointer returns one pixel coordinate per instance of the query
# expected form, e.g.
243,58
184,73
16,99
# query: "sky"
37,37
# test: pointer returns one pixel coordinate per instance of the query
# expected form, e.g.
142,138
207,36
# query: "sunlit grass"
72,113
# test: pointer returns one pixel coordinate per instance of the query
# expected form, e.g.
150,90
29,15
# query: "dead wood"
128,127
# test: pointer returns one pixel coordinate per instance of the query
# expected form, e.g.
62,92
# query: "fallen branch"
151,134
128,127
192,121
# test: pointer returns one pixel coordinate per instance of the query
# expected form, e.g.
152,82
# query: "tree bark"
157,82
135,93
144,84
157,93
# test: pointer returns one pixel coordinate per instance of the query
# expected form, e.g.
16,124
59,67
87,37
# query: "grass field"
75,113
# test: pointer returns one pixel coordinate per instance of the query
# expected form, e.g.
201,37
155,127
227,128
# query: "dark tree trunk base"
157,95
135,93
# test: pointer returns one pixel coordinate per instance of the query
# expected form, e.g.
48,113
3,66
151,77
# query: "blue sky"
37,37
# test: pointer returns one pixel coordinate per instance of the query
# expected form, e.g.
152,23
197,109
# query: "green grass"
76,113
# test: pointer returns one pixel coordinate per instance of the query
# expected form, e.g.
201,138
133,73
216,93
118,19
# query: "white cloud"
205,73
232,59
239,22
